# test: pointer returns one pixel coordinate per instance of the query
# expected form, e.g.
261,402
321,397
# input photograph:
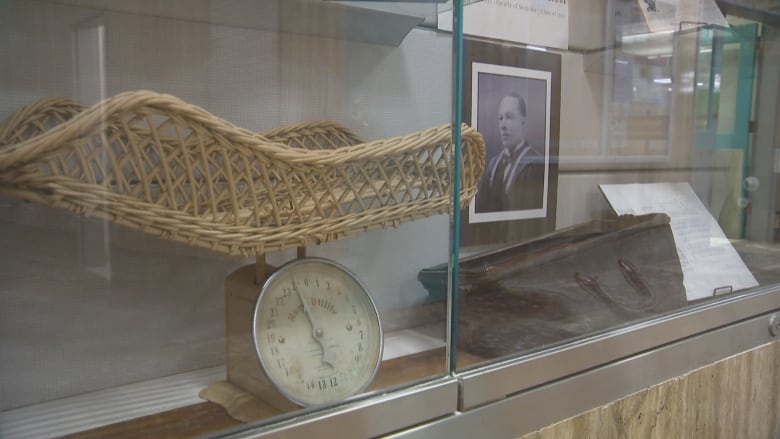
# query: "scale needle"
317,332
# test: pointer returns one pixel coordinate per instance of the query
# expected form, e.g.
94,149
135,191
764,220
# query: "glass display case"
653,222
163,165
638,219
359,218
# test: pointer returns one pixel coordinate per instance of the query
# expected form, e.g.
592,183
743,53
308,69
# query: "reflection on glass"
198,153
640,100
656,226
704,88
726,86
724,104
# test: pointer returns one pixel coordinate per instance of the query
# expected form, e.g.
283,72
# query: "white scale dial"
317,332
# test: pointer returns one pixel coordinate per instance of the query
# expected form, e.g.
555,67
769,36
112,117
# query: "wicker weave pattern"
159,165
36,118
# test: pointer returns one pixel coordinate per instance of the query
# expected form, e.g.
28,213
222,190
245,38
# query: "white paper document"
536,22
675,15
710,264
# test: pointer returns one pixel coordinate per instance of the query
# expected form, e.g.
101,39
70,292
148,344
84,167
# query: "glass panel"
641,90
426,9
162,163
638,218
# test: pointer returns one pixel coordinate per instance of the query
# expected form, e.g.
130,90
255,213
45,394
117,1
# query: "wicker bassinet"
154,163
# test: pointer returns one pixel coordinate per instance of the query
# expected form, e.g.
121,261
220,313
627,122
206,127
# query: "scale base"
243,367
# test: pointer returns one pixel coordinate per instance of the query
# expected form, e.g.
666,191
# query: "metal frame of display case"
496,381
375,416
523,394
546,404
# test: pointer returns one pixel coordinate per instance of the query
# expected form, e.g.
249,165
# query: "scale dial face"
317,332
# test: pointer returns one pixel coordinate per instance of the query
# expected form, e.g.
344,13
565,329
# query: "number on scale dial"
317,332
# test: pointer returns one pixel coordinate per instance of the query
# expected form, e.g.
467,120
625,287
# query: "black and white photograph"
511,95
510,108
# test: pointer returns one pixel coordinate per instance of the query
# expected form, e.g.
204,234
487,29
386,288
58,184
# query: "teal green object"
434,280
709,137
457,90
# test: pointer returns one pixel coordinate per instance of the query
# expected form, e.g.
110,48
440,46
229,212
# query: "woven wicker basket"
154,163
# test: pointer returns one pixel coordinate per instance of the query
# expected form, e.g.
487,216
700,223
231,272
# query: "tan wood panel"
733,398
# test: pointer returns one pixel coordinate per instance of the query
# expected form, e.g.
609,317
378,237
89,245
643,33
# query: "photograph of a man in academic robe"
513,178
510,107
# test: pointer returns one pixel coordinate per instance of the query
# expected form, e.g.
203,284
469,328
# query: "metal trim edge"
497,380
543,406
371,417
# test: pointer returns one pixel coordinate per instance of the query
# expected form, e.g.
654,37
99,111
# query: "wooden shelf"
208,417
